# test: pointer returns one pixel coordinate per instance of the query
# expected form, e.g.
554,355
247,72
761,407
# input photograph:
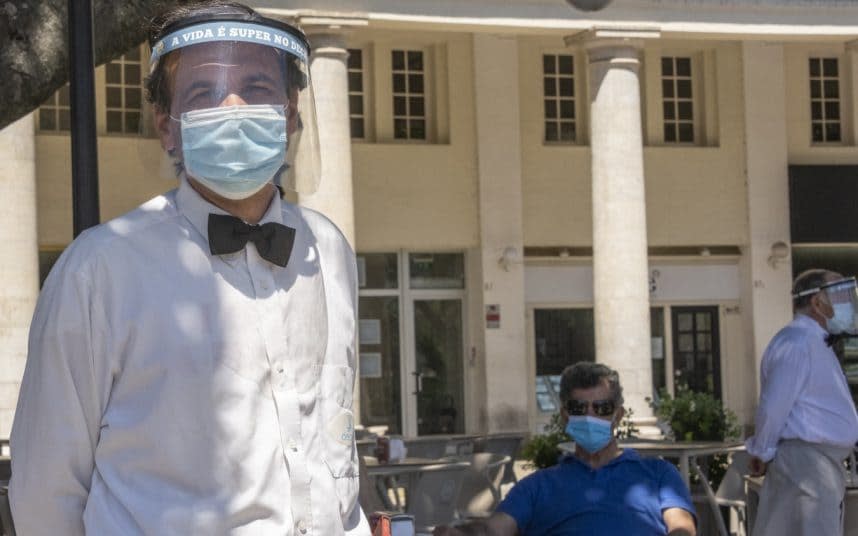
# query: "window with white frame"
357,113
123,81
825,114
55,113
677,96
409,94
558,72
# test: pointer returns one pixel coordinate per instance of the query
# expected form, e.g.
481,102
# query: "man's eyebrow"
259,77
199,84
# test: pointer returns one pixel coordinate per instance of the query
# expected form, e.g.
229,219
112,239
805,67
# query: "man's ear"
819,303
620,414
164,128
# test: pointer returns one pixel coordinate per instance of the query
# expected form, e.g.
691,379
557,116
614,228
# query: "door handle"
418,382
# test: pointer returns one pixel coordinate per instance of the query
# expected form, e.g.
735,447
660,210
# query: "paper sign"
370,331
370,365
493,316
657,347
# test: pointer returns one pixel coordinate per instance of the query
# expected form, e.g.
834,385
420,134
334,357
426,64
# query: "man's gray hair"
585,375
808,279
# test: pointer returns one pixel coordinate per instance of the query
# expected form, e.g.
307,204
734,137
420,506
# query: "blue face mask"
843,320
234,150
590,433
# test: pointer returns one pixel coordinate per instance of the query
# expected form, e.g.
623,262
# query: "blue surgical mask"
590,433
234,150
843,319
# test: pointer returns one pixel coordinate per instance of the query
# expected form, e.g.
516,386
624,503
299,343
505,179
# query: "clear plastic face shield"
842,296
236,107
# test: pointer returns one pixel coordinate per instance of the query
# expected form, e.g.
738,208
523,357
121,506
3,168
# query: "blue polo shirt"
625,497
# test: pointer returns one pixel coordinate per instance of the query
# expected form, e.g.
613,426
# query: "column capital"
330,44
326,31
316,22
613,37
851,46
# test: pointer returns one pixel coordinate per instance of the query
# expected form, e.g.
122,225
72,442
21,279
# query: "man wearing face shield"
191,363
806,423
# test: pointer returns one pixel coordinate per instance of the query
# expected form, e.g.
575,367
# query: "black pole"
83,138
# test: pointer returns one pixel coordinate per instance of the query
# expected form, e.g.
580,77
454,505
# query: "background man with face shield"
806,422
598,490
191,363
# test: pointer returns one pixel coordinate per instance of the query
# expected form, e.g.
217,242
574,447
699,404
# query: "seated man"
600,490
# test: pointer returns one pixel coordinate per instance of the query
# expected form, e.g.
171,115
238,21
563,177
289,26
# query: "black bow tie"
832,339
228,234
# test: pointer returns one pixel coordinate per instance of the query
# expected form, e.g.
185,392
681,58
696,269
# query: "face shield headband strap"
808,292
245,32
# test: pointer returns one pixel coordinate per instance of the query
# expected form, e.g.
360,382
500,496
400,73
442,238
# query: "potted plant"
696,416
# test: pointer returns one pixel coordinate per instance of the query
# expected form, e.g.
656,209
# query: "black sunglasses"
602,408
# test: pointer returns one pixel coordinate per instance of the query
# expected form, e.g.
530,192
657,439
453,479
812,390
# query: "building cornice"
779,20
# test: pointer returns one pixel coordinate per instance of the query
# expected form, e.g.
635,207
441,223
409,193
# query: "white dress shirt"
803,392
172,392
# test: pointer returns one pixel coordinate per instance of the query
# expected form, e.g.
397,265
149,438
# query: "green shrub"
541,450
695,416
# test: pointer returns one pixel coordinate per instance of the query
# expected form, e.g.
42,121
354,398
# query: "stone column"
329,73
852,64
766,294
501,236
19,259
620,264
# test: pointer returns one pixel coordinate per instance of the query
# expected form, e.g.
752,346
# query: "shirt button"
280,370
302,528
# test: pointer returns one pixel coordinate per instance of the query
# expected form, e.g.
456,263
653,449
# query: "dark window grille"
677,97
825,125
357,112
558,79
409,95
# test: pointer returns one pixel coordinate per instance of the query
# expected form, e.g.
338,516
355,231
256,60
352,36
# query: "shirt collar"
627,455
811,324
196,209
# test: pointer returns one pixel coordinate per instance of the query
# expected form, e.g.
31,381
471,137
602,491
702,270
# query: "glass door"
411,337
380,363
434,330
380,343
696,353
438,371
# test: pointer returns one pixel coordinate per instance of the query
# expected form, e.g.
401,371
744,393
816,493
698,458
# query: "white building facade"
527,185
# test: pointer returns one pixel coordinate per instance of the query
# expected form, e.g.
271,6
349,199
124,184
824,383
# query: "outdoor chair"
459,447
730,494
7,528
426,447
505,445
369,495
433,499
480,492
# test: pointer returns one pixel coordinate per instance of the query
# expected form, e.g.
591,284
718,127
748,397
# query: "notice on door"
493,316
